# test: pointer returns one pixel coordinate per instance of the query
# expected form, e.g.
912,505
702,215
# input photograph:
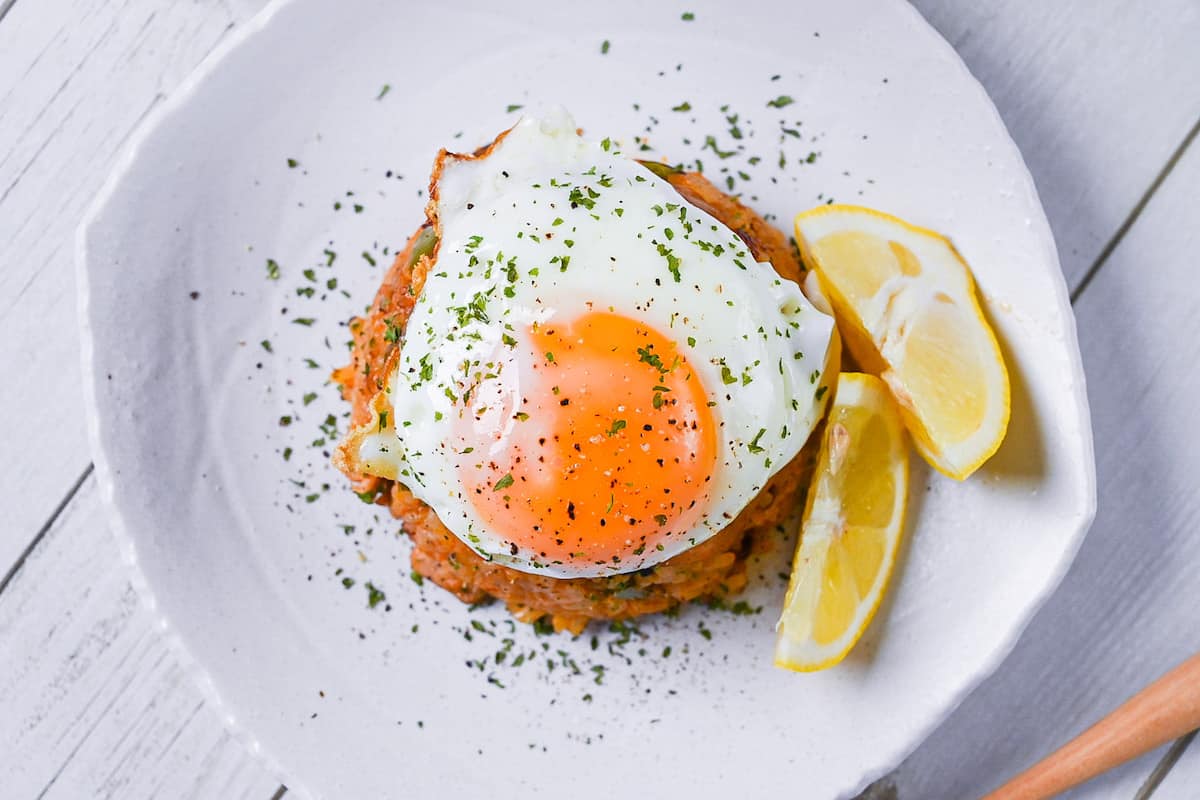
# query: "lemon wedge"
853,522
906,307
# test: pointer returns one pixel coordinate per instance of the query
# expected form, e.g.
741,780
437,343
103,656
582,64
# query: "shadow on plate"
1022,455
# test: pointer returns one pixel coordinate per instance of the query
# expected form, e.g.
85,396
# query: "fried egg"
597,375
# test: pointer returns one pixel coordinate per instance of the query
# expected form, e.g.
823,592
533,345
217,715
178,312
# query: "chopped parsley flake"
503,483
780,102
710,143
672,262
646,356
578,198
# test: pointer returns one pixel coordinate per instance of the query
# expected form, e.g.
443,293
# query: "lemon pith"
906,307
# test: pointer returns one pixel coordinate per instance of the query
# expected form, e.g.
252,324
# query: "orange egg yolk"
598,448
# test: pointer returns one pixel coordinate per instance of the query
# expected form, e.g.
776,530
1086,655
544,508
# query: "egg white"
756,342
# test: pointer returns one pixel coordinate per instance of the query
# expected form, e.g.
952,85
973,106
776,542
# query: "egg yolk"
596,447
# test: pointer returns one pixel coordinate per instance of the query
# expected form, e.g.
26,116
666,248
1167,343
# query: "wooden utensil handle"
1164,710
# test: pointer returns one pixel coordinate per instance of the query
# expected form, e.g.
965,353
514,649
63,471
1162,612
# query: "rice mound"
713,570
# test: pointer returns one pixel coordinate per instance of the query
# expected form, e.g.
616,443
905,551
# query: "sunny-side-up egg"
597,375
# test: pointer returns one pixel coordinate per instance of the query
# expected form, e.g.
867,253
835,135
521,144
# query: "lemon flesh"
907,310
852,526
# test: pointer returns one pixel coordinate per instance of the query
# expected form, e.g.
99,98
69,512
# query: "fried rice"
713,570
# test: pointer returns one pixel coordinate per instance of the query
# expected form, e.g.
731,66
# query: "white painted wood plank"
95,704
1096,94
1119,784
76,76
95,98
1126,612
1183,781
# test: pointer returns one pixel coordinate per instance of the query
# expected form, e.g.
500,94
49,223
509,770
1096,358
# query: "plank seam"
75,72
41,534
1164,766
103,715
171,742
1135,213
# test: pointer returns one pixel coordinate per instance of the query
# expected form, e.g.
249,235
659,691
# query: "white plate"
348,701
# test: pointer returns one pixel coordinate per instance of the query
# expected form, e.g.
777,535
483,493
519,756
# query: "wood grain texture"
1126,612
1182,782
99,702
76,77
95,704
1096,94
1159,714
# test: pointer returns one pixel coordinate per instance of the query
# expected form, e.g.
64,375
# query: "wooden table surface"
1103,99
